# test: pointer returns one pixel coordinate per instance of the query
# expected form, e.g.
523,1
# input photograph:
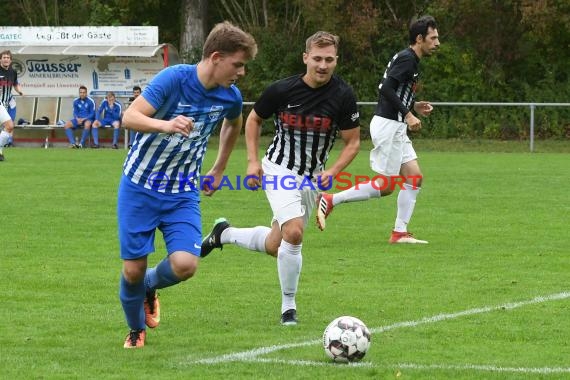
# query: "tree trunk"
194,13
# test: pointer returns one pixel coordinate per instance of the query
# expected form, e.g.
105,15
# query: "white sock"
406,203
289,263
4,137
364,192
250,238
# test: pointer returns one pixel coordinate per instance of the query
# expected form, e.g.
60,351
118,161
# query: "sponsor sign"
61,75
79,35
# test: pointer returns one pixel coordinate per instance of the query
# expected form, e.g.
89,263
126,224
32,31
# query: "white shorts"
287,193
4,116
392,146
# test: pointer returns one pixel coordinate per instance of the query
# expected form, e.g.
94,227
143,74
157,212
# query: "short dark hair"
420,26
137,88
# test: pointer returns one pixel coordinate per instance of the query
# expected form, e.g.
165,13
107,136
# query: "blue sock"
160,276
132,299
116,136
84,136
95,134
69,134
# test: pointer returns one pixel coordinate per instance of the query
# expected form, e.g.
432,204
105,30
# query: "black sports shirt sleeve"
398,86
268,102
350,116
388,91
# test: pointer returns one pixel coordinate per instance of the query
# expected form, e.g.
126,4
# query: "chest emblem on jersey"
215,112
316,123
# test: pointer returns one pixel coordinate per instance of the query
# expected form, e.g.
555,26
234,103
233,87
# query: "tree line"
491,50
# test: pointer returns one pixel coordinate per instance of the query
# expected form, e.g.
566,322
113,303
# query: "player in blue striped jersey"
174,118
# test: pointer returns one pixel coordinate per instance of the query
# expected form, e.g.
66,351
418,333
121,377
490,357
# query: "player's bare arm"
252,133
413,122
138,117
423,108
351,139
228,137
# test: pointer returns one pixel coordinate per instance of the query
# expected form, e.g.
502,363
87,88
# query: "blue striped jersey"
171,163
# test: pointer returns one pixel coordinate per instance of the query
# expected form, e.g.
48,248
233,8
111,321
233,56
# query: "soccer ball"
346,339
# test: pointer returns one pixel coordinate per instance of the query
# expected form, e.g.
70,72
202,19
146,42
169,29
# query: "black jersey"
307,121
8,79
400,77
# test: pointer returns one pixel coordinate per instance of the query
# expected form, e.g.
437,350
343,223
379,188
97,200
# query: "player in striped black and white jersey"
8,124
8,81
393,154
310,111
174,118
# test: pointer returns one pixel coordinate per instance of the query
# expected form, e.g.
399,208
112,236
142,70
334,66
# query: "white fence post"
532,105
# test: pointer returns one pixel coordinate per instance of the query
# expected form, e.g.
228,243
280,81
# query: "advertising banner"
79,35
61,75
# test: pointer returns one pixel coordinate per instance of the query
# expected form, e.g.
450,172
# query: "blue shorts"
76,124
141,211
12,112
108,122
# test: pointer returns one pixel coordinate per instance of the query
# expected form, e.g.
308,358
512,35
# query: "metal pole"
532,105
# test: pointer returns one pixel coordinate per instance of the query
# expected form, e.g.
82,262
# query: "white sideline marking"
311,363
252,355
489,368
412,366
486,309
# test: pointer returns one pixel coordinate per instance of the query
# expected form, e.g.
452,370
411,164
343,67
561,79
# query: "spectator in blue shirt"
109,115
83,116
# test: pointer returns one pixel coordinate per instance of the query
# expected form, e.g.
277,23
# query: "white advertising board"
79,35
61,75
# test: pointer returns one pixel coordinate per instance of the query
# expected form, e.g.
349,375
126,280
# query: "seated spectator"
83,116
109,115
136,92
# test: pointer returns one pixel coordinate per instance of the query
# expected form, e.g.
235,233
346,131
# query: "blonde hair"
322,39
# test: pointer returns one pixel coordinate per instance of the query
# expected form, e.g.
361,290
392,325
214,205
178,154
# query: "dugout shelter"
52,62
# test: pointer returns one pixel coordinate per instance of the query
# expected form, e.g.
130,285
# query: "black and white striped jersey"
401,76
307,121
8,79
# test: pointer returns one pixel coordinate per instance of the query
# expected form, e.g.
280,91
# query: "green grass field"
488,298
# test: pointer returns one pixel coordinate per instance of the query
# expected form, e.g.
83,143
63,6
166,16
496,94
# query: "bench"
56,109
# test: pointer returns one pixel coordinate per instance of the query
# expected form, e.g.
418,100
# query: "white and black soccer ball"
346,339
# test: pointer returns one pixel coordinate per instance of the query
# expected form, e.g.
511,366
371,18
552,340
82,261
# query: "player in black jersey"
309,111
8,81
393,156
8,124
